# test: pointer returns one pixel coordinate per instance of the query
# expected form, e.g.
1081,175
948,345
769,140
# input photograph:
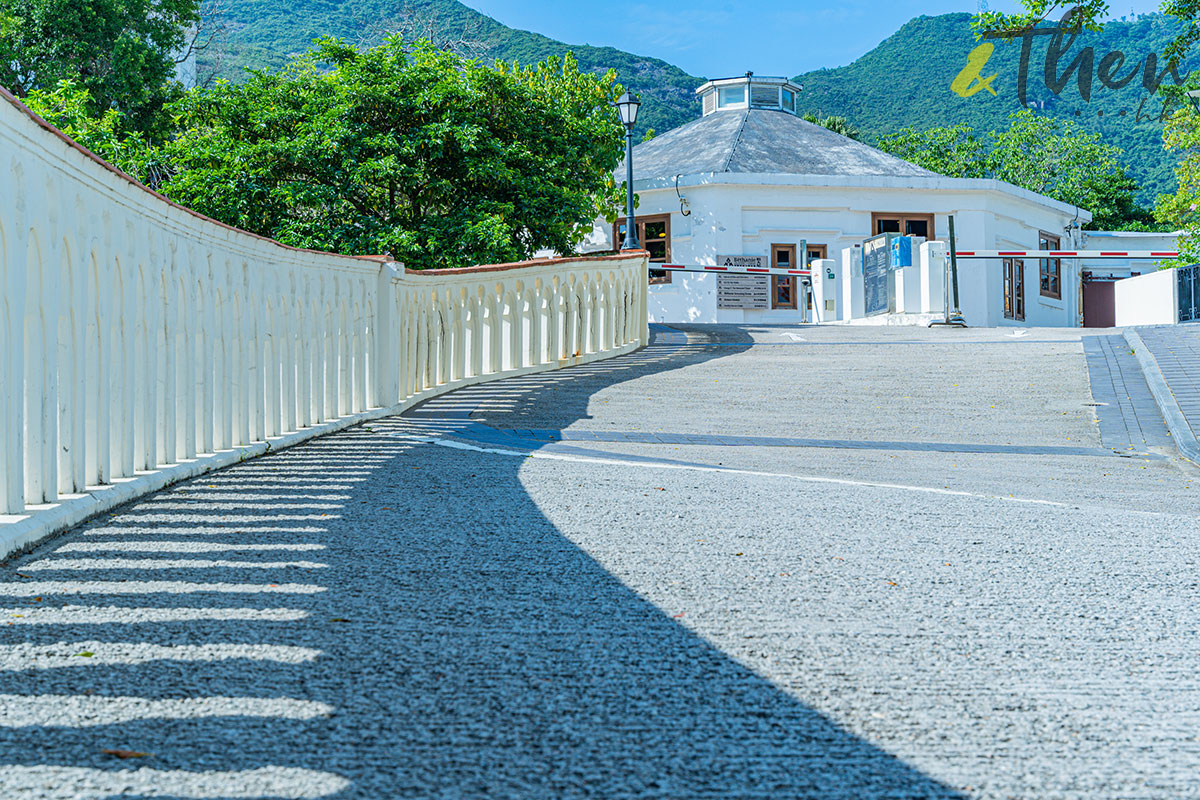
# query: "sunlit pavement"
743,562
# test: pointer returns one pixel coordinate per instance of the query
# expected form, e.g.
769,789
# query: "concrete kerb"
22,532
1181,431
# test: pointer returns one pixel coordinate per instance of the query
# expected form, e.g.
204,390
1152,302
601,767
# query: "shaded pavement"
445,605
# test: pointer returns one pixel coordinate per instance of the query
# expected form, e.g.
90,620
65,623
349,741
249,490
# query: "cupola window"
764,96
733,96
771,94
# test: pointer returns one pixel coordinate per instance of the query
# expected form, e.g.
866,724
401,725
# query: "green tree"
1043,154
954,151
1179,211
1053,157
839,125
404,149
1088,15
120,51
67,107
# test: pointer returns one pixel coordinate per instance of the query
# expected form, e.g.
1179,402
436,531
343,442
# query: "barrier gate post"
952,316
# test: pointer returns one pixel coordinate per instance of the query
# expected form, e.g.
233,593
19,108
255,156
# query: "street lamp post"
627,106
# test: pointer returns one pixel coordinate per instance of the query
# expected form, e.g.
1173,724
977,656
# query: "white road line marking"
755,473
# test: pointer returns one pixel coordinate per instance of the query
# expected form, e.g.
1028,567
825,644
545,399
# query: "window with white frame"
732,96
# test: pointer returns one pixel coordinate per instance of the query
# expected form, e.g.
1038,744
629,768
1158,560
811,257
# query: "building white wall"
1127,240
747,214
1148,299
690,297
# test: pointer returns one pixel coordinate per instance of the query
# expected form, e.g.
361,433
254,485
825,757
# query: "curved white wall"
136,335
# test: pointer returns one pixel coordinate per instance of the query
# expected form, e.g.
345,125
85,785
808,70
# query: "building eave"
932,183
742,80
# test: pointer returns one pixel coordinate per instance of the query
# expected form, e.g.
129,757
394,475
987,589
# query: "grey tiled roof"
761,141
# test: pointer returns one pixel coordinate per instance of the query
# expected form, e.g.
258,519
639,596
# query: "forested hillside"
263,33
904,81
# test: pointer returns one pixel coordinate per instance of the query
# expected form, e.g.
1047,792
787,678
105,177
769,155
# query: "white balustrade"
135,334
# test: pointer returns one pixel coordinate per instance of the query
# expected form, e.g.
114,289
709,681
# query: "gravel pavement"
440,606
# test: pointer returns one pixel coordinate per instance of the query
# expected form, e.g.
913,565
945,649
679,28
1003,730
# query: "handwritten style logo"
1110,71
971,80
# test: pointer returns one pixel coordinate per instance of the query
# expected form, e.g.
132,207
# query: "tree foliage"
955,151
1088,15
404,149
67,107
839,125
1179,210
120,51
1043,154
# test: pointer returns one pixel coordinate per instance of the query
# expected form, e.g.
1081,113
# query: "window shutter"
710,102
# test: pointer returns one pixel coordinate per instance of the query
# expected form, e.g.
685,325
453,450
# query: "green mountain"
904,81
264,33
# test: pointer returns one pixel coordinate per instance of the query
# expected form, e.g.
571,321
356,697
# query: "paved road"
742,563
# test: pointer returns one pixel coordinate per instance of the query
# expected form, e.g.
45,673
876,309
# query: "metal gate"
1189,293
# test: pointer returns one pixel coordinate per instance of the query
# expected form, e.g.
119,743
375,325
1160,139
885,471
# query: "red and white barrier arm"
1067,254
728,270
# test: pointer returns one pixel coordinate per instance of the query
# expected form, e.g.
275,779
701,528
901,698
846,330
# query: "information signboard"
736,290
754,262
876,258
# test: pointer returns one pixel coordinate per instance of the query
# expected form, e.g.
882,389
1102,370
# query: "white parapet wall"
142,343
1148,299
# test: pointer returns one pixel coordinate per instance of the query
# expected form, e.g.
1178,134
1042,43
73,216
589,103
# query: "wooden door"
1014,288
783,290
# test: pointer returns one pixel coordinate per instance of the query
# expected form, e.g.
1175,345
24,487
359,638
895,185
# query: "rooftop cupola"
749,91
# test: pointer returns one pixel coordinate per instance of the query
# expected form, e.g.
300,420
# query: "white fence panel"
1148,299
141,343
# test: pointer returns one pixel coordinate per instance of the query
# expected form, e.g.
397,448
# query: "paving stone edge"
1181,431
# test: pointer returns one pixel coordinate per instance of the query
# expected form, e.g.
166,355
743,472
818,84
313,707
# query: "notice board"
876,253
743,291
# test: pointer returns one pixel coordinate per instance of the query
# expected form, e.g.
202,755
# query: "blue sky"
715,38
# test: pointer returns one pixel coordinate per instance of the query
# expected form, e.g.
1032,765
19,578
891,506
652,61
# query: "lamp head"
627,106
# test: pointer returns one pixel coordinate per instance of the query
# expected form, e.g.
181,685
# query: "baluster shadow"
467,647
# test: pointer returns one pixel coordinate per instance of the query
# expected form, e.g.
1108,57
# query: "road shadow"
467,648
